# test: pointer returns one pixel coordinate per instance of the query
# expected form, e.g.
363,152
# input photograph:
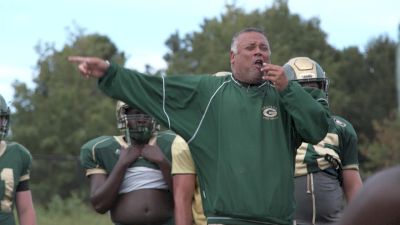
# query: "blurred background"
54,111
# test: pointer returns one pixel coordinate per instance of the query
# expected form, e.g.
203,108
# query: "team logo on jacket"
338,122
269,112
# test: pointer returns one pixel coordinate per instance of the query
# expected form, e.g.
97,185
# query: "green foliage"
365,85
384,151
69,211
208,51
63,111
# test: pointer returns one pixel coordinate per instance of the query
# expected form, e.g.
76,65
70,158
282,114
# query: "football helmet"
305,71
4,118
137,126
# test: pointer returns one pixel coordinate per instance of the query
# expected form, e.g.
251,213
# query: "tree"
383,152
365,84
207,51
61,113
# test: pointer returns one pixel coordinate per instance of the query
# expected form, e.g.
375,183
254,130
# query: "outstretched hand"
90,66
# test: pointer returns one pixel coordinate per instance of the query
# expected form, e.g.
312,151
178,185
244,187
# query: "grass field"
71,211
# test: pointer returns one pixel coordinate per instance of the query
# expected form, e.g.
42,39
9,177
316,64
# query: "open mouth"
259,63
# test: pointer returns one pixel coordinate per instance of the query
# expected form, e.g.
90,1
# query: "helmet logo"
269,112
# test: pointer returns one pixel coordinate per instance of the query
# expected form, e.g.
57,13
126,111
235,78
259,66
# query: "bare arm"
104,189
154,154
25,210
351,183
184,186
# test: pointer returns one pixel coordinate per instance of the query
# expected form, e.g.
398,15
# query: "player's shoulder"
340,121
17,150
166,135
98,142
17,147
179,140
171,136
343,124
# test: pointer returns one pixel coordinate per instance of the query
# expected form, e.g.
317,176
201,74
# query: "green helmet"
305,70
4,118
137,125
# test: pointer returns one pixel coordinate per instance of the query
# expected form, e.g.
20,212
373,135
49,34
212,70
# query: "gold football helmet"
305,70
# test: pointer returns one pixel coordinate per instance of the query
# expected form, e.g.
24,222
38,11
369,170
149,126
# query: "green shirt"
242,139
15,163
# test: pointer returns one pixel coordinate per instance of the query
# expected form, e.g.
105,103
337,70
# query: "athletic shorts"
324,204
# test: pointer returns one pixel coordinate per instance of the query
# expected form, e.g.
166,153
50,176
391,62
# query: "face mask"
318,95
141,128
141,135
3,127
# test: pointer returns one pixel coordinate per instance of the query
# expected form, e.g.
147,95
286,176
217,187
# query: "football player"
326,171
130,174
15,164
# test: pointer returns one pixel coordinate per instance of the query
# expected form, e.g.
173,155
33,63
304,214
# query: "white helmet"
305,70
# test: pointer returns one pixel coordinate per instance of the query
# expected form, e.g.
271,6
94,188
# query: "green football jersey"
340,143
15,163
100,155
242,138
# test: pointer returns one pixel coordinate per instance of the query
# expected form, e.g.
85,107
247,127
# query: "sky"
140,28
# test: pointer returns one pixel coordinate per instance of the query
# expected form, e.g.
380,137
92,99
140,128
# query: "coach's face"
252,51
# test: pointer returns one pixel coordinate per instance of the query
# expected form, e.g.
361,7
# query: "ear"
232,57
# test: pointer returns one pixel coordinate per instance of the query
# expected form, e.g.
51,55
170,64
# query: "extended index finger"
76,59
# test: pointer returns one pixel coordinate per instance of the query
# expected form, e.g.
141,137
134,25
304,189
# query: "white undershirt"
142,178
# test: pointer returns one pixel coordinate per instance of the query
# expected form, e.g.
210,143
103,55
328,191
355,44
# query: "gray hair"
246,30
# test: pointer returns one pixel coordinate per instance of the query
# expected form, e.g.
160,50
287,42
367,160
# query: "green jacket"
242,139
